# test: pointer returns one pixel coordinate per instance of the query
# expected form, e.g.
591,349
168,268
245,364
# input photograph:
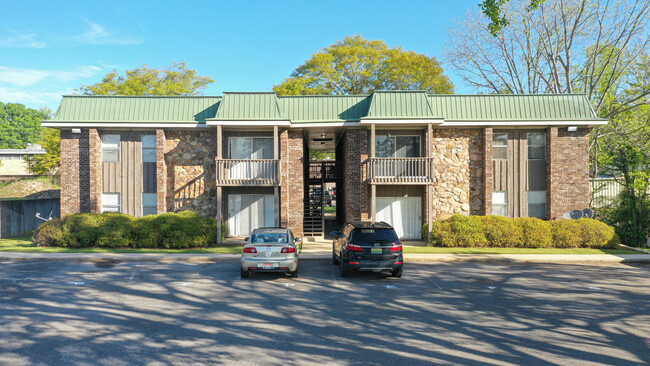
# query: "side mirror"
246,238
297,240
334,233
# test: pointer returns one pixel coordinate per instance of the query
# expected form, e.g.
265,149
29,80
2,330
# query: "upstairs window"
536,145
110,148
251,148
500,146
397,146
148,148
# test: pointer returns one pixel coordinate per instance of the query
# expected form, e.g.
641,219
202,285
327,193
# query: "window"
500,146
536,145
397,146
500,203
110,202
110,148
537,204
251,147
148,148
149,204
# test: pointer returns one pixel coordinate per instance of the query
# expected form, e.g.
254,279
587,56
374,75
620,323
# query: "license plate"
375,250
268,265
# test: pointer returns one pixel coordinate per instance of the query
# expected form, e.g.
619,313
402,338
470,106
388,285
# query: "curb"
203,258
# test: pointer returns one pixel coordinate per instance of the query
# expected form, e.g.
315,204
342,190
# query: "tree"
492,9
48,163
357,65
19,125
174,80
565,46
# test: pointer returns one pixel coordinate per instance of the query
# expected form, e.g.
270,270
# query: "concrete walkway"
322,250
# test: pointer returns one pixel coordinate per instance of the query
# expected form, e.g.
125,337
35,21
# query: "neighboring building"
13,164
403,157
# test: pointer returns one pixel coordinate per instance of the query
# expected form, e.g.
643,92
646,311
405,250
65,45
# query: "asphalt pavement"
113,312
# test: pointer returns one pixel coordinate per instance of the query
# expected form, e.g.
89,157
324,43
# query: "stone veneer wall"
459,171
191,179
567,171
161,172
292,188
355,150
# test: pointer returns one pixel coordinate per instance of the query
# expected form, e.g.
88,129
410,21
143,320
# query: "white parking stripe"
429,279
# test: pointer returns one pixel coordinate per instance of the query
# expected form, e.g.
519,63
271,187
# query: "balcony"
247,172
401,170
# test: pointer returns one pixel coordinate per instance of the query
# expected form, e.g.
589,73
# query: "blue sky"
50,48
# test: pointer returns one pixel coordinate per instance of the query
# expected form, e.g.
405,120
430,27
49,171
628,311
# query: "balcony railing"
401,170
327,170
236,172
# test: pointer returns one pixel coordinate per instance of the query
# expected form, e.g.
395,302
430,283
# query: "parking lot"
154,313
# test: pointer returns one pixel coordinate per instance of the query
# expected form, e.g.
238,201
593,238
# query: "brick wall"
95,171
488,173
355,150
567,171
75,189
292,156
161,171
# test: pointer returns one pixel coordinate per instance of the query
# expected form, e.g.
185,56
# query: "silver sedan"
271,250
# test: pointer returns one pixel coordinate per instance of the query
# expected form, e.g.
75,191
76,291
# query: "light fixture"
76,130
572,128
322,135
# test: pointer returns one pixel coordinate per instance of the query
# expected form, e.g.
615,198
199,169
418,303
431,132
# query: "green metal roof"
186,109
400,105
325,108
250,106
410,105
532,107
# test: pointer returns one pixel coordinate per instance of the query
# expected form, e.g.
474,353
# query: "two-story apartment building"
404,157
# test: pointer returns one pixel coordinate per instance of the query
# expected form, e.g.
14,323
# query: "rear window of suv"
371,236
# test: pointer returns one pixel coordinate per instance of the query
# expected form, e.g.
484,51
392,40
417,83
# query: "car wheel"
244,274
294,274
397,272
335,260
342,271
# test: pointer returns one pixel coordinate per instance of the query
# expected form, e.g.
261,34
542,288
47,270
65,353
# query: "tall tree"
493,10
48,163
174,80
19,125
357,65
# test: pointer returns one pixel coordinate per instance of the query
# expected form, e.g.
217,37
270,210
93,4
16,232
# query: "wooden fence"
603,191
18,216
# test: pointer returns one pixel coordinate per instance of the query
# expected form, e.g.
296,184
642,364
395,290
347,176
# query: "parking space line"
429,279
133,273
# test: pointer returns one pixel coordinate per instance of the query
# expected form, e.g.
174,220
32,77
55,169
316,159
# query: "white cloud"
32,99
18,39
98,34
26,77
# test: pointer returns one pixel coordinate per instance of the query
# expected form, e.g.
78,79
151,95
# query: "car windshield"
360,236
270,238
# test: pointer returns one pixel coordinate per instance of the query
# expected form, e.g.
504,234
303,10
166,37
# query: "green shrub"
458,231
596,234
48,233
535,233
566,233
526,232
80,230
114,230
501,231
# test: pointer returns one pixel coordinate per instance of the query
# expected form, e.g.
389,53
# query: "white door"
247,212
402,213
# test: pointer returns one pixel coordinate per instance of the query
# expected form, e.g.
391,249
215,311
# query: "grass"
24,244
330,209
445,250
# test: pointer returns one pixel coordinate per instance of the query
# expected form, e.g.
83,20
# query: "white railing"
247,172
401,170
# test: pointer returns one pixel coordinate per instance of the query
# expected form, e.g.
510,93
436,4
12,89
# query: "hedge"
524,232
111,230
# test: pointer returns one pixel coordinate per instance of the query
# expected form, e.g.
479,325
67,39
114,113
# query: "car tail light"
398,263
250,250
354,248
354,262
288,250
396,248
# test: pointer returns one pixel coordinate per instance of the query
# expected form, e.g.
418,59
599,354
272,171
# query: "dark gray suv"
366,246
